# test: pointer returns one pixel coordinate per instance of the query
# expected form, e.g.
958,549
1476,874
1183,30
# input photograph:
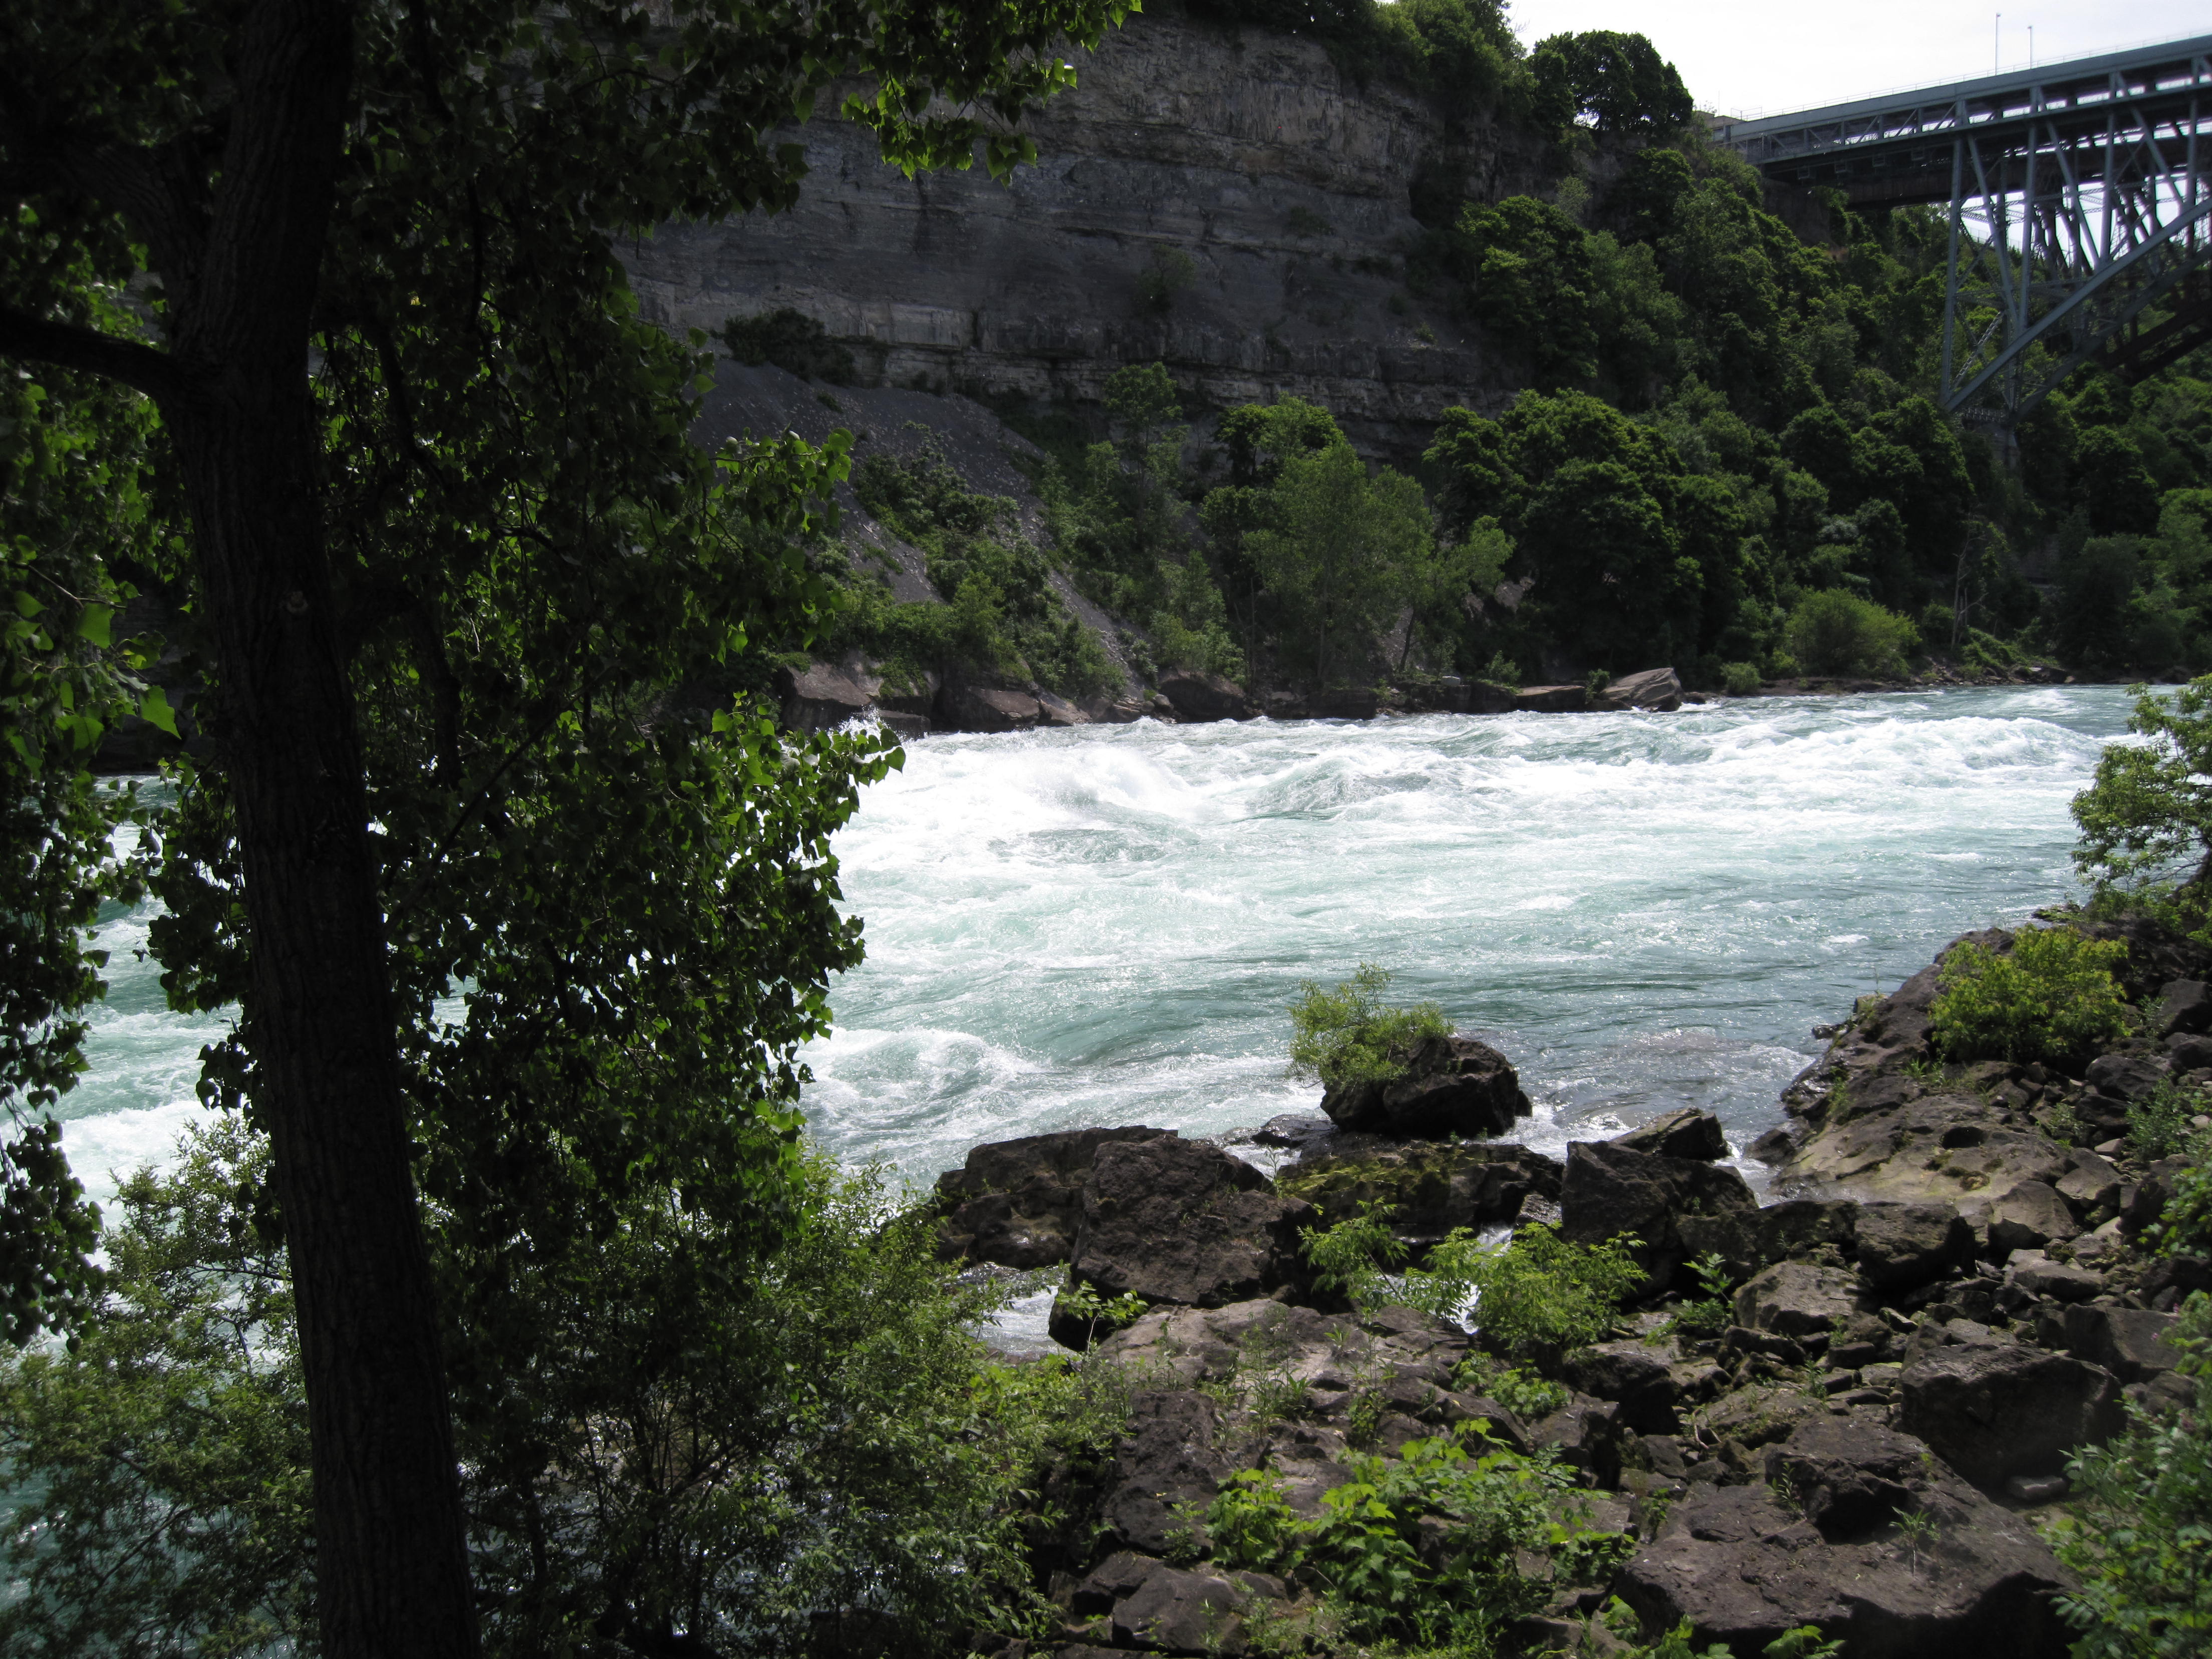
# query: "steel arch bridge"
2080,212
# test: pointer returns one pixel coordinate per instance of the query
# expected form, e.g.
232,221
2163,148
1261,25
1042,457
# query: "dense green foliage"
1421,1548
1003,619
792,341
2145,821
2138,1531
1347,1034
82,519
2051,997
822,1443
1835,631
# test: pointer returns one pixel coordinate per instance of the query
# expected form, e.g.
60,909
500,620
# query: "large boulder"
967,708
1017,1202
1995,1409
1610,1190
1795,1298
820,698
1687,1133
1551,700
1742,1568
1654,687
1452,1085
1427,1188
1171,1221
2131,1343
1165,1459
1825,1230
1198,698
1899,1246
1850,1475
1634,1378
2184,1005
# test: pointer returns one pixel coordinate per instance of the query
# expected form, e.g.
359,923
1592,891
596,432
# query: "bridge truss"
2080,209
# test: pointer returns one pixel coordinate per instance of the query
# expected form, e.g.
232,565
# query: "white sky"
1752,56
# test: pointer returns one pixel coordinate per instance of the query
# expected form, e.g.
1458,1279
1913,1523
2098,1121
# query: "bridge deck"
1897,147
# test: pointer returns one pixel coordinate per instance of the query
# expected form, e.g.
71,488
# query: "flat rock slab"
1743,1568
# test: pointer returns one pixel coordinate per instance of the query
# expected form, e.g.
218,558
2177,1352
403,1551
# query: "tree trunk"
391,1567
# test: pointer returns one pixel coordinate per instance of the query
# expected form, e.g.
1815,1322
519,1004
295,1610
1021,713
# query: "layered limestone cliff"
1284,184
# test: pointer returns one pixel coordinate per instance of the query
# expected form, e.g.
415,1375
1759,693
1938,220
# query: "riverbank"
1850,1405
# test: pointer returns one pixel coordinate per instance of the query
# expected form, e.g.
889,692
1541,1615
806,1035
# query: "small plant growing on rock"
2165,1124
1355,1256
2053,997
1526,1396
1347,1034
1709,1315
1502,670
1919,1529
1104,1315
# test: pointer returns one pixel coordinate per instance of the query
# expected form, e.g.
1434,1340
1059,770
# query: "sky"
1748,58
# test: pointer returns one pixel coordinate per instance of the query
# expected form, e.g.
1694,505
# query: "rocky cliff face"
1284,184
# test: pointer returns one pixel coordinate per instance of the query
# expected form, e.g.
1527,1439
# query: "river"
1106,925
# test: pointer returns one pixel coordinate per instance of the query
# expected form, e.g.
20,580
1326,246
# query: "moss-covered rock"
1426,1188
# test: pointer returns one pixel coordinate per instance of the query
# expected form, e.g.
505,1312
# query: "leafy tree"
1338,565
422,208
1534,284
1835,631
1618,79
2146,820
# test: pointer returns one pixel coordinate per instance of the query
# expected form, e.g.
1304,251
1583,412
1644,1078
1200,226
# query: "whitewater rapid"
1106,925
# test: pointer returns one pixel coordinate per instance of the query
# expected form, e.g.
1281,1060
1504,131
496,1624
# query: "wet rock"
1058,711
1685,1133
1198,697
1743,1568
2000,1409
1428,1187
1850,1475
1166,1457
1654,687
1777,1145
1172,1220
1899,1246
1550,700
820,698
2130,1342
2184,1007
1016,1202
1793,1298
1452,1086
1633,1375
1294,1129
1610,1190
1344,702
987,709
1822,1229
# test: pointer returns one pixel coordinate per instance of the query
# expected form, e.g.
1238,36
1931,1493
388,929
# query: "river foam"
1106,925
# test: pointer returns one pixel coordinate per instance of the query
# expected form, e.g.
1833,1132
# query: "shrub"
1534,1296
1835,631
1355,1256
792,341
1741,679
2136,1531
1502,670
2165,1123
2053,997
1346,1034
1166,274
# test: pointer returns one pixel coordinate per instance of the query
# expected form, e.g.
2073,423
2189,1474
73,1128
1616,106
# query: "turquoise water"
1105,925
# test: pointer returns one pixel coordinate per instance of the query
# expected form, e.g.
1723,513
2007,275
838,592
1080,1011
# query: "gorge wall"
1286,185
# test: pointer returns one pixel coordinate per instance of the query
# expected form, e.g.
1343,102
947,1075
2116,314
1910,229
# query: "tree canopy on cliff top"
447,549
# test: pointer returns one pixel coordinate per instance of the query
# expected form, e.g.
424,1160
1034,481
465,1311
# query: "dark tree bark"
391,1561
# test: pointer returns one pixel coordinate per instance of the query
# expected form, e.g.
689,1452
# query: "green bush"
1347,1035
2138,1531
1741,679
1835,631
1536,1296
2165,1123
1425,1548
2053,998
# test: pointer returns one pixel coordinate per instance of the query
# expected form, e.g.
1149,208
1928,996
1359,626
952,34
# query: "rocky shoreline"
1948,1292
